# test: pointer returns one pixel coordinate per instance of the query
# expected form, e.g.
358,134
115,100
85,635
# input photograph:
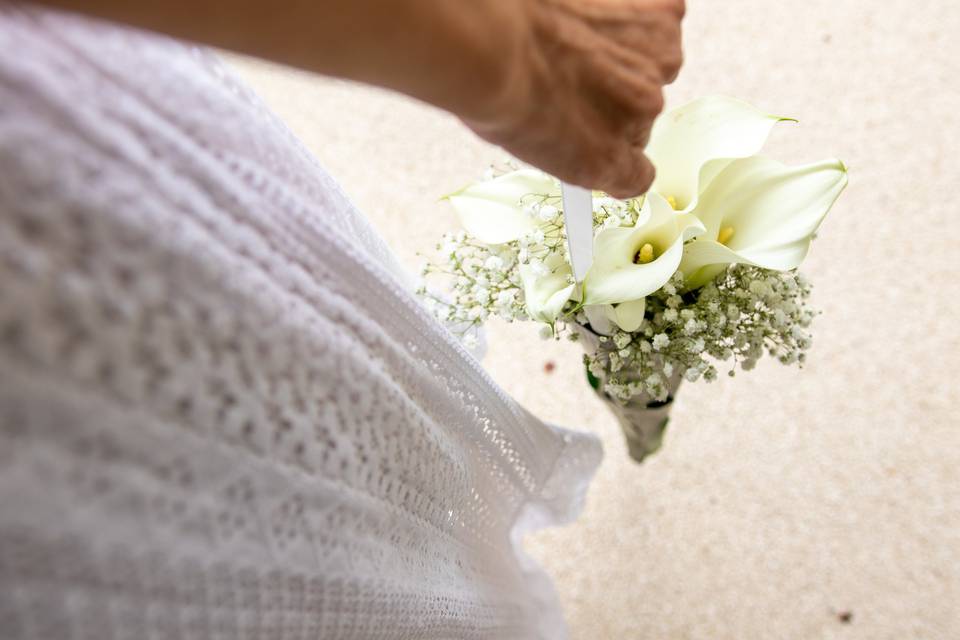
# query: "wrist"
480,70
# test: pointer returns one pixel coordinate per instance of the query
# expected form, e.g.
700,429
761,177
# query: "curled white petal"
545,294
758,211
616,276
599,317
629,315
689,145
493,211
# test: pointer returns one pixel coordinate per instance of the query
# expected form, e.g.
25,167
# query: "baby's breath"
743,314
746,313
480,281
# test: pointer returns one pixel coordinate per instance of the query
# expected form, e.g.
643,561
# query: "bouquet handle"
643,419
643,422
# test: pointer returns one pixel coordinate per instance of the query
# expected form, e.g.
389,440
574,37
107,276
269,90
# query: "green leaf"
593,380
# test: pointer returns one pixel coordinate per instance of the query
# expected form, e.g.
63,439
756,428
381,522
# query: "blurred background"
786,503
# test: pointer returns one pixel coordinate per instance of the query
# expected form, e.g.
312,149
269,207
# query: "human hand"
570,86
582,95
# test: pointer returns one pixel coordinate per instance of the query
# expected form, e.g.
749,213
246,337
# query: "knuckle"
642,181
591,170
610,161
605,170
678,7
638,130
671,64
631,175
652,103
646,99
642,136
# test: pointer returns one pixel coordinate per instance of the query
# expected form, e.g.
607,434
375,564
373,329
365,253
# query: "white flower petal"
770,210
614,277
629,315
702,276
704,252
633,281
545,295
704,260
683,140
492,211
599,317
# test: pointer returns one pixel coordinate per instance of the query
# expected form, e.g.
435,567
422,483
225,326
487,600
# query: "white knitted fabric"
222,415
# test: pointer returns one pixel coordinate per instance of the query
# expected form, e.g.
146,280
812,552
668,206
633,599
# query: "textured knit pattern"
222,415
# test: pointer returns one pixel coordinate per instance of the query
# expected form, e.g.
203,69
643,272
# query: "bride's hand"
582,95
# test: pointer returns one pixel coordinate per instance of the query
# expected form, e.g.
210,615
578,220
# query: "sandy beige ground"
784,497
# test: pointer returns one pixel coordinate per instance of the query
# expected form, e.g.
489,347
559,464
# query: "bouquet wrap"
643,419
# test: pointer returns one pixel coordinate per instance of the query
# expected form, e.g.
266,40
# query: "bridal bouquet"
700,270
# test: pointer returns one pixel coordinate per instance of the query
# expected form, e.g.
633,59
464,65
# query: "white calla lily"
691,144
760,212
546,287
493,211
632,262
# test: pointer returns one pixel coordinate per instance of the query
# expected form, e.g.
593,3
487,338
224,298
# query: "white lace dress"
222,414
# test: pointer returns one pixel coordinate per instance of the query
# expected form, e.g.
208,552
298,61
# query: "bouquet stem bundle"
643,418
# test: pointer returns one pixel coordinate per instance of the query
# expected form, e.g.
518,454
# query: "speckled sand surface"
783,498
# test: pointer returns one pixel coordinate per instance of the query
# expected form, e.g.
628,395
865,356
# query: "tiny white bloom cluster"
744,313
610,212
481,280
548,237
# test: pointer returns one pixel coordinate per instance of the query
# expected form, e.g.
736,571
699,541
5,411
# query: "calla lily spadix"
758,211
632,262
